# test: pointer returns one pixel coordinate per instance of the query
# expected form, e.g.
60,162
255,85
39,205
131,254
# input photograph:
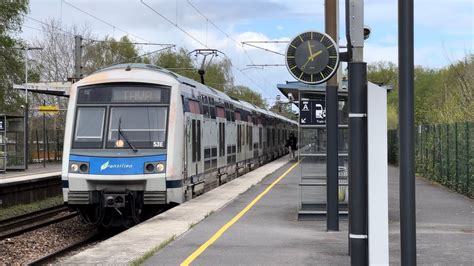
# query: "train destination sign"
313,112
124,94
142,95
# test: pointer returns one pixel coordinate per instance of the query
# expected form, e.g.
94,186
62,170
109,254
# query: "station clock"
312,57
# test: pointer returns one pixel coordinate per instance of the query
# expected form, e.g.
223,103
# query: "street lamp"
26,137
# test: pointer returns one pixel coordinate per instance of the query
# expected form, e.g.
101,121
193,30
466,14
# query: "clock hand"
310,52
311,57
307,61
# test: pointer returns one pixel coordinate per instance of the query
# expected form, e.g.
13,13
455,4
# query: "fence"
47,147
443,153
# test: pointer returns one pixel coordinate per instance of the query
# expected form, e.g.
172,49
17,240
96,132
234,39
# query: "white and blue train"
139,138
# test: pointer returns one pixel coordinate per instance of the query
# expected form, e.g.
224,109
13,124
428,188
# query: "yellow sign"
48,109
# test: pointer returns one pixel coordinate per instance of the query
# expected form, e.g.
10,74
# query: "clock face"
312,57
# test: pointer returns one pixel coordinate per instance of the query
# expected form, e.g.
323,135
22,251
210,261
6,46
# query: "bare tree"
56,61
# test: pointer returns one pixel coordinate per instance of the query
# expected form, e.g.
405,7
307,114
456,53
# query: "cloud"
443,28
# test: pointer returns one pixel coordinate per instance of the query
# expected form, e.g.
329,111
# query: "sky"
444,30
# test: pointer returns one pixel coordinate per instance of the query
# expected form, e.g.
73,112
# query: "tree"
443,95
55,62
246,94
109,52
11,56
284,109
176,61
218,74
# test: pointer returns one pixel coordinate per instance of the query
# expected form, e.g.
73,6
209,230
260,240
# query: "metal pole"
26,136
358,166
406,122
358,154
77,57
44,136
332,104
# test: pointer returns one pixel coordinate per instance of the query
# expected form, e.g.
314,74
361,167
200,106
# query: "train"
140,138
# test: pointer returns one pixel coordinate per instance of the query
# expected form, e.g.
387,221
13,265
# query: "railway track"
24,223
74,246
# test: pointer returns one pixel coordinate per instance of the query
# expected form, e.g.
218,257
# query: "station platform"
34,171
31,185
252,220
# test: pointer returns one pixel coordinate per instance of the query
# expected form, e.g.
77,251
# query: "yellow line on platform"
224,228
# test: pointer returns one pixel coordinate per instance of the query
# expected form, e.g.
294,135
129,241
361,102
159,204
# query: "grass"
151,252
20,209
208,214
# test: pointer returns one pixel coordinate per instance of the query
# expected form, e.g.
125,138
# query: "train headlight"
160,167
74,168
119,143
154,167
79,167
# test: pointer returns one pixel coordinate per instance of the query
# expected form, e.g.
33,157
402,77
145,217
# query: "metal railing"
46,147
443,153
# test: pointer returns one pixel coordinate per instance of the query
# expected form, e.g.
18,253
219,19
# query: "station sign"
48,109
313,112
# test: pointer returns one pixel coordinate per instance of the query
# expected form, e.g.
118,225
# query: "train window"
194,107
273,137
237,116
260,137
213,112
89,127
220,112
268,137
207,153
250,137
206,112
239,141
193,139
147,132
221,139
198,135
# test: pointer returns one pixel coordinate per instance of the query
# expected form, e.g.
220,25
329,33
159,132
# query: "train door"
260,139
193,140
238,122
220,118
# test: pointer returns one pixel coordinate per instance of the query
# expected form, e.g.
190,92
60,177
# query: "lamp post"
26,137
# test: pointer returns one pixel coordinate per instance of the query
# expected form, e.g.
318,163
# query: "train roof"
198,86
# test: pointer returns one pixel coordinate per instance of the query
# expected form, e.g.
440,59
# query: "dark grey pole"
77,57
358,167
406,123
44,137
332,173
27,135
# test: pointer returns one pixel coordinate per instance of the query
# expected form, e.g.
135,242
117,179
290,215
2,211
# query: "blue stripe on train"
116,165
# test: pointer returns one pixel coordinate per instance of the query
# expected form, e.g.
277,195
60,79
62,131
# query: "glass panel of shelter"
312,151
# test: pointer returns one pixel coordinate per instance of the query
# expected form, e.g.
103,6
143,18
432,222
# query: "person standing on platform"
291,144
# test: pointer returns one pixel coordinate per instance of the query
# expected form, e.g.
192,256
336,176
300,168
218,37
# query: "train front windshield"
116,116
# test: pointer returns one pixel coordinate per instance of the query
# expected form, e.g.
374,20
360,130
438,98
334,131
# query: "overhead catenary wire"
230,38
152,52
67,33
174,24
262,48
105,22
